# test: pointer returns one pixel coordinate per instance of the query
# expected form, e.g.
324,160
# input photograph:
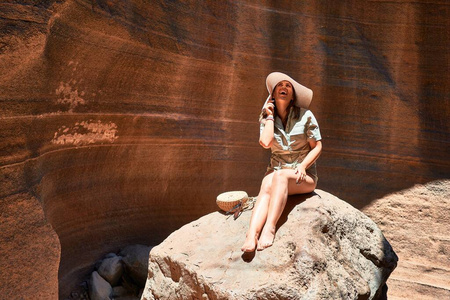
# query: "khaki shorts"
293,166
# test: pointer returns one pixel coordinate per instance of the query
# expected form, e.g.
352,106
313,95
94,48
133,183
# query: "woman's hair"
263,113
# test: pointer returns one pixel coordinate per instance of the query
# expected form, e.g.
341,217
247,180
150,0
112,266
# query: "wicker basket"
226,201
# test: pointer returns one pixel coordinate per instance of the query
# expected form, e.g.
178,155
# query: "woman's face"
283,91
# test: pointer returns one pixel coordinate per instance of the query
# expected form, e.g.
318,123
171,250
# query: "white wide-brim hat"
303,95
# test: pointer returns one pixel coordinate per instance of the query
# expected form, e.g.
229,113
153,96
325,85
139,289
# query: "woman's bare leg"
283,184
259,215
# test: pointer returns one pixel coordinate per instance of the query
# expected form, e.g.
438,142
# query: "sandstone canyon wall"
123,120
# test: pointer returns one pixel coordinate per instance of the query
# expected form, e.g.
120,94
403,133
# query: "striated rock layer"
324,249
120,121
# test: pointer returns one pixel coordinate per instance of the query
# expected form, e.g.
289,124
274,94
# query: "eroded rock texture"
123,120
324,249
416,222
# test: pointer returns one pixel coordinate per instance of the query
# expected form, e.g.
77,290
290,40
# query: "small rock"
109,255
99,288
84,285
120,291
135,259
129,284
97,264
111,269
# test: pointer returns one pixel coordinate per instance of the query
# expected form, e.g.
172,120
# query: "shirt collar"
289,124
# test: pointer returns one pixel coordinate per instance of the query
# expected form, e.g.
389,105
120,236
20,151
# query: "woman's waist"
289,156
280,164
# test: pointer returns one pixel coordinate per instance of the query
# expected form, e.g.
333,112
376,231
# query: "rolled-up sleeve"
312,127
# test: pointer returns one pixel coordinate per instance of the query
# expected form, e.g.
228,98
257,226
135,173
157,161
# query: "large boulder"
324,249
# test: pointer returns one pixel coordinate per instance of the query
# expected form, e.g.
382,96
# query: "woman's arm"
310,158
313,155
266,136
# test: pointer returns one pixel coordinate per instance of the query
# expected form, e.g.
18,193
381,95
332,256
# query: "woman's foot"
250,243
266,239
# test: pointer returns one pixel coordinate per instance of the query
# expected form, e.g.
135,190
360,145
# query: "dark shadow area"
371,147
248,256
382,293
291,203
434,90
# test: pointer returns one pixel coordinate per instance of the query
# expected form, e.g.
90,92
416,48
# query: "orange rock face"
120,121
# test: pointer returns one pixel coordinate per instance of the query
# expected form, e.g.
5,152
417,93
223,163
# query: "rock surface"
121,120
99,288
116,277
111,269
29,250
416,222
324,249
135,260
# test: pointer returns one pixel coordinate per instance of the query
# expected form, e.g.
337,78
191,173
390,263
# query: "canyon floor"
416,223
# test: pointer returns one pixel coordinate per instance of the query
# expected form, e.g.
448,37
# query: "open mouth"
283,93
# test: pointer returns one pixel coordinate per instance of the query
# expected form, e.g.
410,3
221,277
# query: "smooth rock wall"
125,119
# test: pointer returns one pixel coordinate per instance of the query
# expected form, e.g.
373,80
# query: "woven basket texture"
226,201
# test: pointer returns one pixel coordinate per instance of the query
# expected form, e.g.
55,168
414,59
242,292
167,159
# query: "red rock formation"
125,119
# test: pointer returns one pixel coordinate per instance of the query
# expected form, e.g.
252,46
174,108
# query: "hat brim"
303,95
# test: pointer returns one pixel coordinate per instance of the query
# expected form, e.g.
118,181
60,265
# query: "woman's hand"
301,174
266,136
269,108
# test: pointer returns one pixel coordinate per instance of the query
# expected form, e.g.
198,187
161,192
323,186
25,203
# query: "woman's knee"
266,186
280,177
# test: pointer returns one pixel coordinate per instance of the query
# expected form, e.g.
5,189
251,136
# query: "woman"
291,131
